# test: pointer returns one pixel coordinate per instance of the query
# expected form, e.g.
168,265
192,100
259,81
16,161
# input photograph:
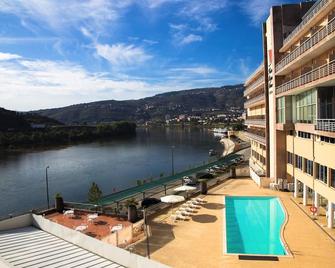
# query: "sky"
55,53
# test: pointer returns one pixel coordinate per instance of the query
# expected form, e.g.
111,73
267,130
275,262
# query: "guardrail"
258,138
325,125
254,100
318,73
259,122
309,43
254,85
313,11
259,68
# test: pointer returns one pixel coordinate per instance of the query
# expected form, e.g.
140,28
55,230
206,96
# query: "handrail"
254,100
306,45
325,125
318,73
256,137
254,85
260,122
310,14
259,68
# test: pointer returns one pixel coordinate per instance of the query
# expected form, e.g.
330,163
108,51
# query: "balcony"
307,78
325,125
260,81
258,71
258,120
311,14
254,101
256,135
309,43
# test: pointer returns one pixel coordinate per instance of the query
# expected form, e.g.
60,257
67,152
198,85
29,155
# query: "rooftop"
198,242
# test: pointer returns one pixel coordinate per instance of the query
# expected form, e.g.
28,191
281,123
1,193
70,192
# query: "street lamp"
172,159
47,184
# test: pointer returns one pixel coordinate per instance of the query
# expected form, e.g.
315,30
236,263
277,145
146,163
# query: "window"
327,139
306,107
281,110
309,167
289,158
304,135
298,161
321,173
332,178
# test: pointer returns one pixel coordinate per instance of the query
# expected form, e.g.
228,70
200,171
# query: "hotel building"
290,103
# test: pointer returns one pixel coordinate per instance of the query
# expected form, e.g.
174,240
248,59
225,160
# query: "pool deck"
199,241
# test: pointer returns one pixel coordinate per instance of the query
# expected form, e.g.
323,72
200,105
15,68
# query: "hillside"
192,102
15,121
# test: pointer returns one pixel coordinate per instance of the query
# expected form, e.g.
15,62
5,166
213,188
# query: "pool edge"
282,229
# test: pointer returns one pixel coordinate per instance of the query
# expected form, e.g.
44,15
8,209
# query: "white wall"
255,177
16,222
96,246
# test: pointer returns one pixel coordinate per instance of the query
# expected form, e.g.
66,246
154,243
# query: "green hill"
191,102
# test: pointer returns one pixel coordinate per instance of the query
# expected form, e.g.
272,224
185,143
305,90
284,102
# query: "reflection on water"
114,165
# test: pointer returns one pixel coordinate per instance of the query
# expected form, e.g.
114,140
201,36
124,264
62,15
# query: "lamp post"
172,160
47,184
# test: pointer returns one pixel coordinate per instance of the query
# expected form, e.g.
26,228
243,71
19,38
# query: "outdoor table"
81,228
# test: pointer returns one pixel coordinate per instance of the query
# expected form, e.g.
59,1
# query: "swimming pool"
253,225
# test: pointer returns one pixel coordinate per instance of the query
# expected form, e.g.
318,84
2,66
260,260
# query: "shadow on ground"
161,234
213,206
204,218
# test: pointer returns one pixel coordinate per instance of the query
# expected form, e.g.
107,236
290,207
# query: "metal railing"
256,137
316,74
259,68
309,43
254,85
259,122
313,11
254,100
325,125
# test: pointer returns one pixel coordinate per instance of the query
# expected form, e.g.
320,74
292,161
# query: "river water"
113,165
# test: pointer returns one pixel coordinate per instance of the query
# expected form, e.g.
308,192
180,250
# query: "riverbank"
64,135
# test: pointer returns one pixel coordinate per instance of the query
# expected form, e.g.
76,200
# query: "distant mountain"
191,102
16,121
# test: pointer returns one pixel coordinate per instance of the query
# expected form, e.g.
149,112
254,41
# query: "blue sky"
60,52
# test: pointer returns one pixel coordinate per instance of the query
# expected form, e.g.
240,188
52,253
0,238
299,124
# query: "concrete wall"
16,222
96,246
243,171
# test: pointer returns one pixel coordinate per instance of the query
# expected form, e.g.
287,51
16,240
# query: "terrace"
199,241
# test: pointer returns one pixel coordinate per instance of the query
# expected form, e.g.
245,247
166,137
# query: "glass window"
306,107
332,177
309,167
281,110
298,161
321,173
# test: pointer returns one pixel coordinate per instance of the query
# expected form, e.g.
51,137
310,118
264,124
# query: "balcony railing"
259,69
256,137
254,100
309,43
313,11
254,85
316,74
325,125
259,122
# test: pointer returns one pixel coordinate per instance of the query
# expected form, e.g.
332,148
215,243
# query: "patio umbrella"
185,188
171,199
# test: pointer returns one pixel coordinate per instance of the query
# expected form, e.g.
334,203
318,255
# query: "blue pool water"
253,225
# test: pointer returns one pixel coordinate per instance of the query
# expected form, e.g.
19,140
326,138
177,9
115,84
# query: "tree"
94,194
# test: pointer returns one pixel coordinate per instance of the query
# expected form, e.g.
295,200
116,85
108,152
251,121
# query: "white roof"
31,247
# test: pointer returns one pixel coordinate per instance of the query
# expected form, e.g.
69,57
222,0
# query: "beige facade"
299,91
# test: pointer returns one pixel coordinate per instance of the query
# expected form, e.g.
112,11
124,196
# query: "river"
113,165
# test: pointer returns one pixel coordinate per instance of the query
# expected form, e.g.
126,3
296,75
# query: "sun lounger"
183,212
176,217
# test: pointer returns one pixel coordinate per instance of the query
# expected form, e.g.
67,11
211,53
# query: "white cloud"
122,54
191,38
64,14
33,84
200,70
8,56
257,10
